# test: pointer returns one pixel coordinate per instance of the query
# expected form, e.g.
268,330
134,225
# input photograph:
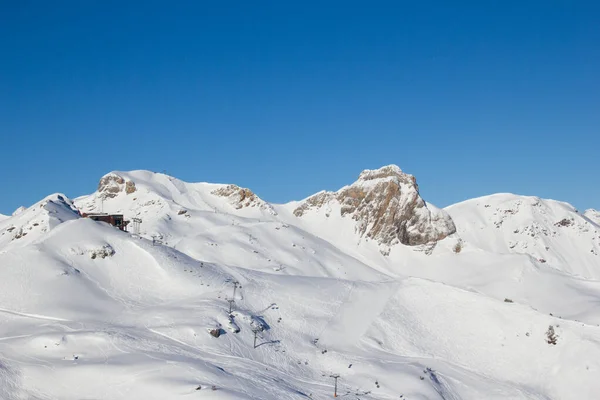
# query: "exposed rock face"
112,184
564,222
242,198
103,252
130,187
387,207
315,201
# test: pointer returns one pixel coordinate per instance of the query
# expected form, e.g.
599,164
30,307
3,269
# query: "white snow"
551,232
19,210
29,224
593,215
128,316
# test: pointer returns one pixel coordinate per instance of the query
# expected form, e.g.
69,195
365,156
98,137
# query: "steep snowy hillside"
593,215
551,232
28,224
370,283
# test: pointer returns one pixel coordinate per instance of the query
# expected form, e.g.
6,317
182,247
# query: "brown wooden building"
113,219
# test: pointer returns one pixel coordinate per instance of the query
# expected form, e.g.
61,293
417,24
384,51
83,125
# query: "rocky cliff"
112,184
242,198
387,207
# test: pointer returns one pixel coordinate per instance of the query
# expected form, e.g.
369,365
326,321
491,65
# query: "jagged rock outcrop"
111,185
387,207
130,187
103,252
242,198
315,201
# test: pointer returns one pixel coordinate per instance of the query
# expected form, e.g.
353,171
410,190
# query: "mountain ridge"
146,314
545,229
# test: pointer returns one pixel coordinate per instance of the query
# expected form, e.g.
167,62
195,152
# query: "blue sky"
289,98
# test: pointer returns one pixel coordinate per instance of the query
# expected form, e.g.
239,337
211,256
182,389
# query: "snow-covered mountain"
551,232
29,224
492,298
387,208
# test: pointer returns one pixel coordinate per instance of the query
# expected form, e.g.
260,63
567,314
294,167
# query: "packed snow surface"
505,308
593,215
551,232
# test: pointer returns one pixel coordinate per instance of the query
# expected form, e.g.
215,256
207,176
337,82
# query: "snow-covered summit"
550,231
388,171
387,207
242,197
112,184
33,222
137,191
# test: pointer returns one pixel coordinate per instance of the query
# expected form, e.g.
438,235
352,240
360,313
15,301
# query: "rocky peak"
111,185
387,207
388,172
242,198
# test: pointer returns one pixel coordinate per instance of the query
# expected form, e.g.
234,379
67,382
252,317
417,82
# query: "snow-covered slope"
551,232
593,215
443,316
136,190
28,224
127,319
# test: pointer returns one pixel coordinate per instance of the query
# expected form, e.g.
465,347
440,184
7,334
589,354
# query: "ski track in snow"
35,316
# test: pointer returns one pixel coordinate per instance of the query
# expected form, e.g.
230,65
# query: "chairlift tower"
236,284
335,376
255,330
231,305
136,225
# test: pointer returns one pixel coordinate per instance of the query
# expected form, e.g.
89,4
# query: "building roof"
102,215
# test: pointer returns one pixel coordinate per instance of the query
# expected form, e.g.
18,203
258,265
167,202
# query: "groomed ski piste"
505,308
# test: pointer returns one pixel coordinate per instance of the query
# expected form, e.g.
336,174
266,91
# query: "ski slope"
127,315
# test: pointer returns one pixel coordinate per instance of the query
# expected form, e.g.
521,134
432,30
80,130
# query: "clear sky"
289,98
